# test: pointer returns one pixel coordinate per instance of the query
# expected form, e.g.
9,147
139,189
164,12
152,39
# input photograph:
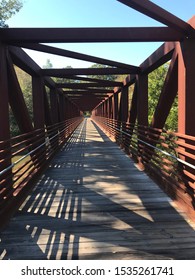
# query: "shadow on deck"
92,203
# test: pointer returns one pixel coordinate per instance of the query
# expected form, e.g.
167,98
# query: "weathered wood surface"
92,203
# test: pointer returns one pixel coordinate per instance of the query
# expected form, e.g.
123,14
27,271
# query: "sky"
94,13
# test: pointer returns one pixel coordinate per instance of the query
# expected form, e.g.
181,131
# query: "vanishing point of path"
92,203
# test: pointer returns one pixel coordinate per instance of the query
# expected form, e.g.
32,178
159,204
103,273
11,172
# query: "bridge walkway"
93,203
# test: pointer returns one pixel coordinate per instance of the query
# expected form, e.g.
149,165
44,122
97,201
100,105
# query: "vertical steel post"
115,106
142,99
4,119
38,102
186,87
39,115
186,95
54,105
142,113
4,107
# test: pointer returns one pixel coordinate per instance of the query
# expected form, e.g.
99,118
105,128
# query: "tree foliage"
25,82
48,64
7,9
155,84
102,77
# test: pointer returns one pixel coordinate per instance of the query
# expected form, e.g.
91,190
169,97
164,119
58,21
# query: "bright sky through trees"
95,13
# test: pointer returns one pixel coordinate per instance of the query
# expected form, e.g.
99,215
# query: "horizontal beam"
98,81
76,55
88,95
79,85
88,91
154,11
62,73
89,35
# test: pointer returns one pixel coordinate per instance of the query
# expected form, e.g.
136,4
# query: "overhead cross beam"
89,35
89,91
75,55
79,85
154,11
62,73
107,83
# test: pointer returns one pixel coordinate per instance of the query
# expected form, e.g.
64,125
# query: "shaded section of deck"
92,203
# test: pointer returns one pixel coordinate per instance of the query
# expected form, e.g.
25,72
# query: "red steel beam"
89,35
76,55
89,91
38,102
154,11
186,86
47,110
4,107
98,81
62,73
4,119
54,105
133,106
80,85
142,99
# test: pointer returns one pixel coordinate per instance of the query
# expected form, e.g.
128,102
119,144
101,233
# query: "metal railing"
166,156
22,158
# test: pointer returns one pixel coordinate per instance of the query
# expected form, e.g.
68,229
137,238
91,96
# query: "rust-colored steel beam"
154,11
79,85
47,110
89,35
4,105
75,55
77,96
89,91
63,73
186,87
106,83
142,99
123,108
54,105
62,107
133,107
6,156
115,105
38,102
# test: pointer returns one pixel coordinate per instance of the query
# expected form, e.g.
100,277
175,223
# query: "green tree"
102,77
156,81
7,9
25,82
155,84
48,64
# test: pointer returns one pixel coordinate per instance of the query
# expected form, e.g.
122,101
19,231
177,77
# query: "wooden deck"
92,203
